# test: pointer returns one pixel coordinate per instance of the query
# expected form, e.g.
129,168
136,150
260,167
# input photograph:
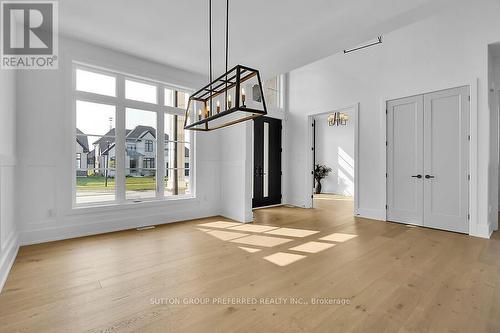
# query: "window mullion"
120,140
160,146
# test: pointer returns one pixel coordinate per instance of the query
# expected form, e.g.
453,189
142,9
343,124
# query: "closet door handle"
417,176
428,176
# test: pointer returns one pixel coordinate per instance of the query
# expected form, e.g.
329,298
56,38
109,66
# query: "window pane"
169,97
140,159
174,128
177,166
142,92
96,186
177,156
95,83
177,182
272,92
182,99
95,149
95,119
95,175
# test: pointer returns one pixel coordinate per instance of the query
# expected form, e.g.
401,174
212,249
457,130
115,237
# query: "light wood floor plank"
397,279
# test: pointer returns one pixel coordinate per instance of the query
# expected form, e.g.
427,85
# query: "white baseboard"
44,235
373,214
7,258
482,231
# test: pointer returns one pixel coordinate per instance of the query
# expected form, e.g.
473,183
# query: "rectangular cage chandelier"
223,101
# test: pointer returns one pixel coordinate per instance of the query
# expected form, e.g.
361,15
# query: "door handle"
428,176
417,176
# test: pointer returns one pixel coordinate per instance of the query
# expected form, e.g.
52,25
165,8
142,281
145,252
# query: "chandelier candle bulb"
243,96
229,101
218,106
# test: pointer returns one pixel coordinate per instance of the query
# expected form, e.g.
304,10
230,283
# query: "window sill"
131,204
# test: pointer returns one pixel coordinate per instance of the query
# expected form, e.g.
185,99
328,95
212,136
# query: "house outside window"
127,156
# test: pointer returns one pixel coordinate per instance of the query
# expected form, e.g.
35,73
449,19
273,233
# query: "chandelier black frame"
232,78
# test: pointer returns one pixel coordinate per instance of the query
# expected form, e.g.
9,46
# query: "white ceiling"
272,35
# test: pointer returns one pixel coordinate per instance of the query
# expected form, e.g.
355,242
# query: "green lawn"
97,183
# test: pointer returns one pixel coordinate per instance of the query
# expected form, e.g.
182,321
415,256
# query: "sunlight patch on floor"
226,235
283,259
312,247
290,232
249,249
338,237
264,241
219,224
332,197
265,236
253,228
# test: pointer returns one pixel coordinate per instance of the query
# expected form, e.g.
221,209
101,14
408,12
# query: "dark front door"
267,162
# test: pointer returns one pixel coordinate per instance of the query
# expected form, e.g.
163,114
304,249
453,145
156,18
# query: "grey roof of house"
139,131
82,140
135,134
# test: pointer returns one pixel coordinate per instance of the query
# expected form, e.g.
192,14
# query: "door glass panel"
266,160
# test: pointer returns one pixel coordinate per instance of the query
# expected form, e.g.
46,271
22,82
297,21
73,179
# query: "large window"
119,139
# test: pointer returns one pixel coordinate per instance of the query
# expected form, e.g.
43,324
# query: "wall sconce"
337,119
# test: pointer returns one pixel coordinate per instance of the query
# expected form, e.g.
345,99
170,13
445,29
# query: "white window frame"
121,104
279,92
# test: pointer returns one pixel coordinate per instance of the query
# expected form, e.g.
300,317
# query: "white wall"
335,149
443,51
494,73
8,225
236,172
493,102
45,142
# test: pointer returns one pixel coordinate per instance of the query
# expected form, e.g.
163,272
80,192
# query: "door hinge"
312,124
468,137
386,111
386,143
386,175
312,172
469,98
468,177
386,207
468,216
312,196
312,148
281,150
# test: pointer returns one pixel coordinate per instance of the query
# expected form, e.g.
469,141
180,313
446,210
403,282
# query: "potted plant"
320,173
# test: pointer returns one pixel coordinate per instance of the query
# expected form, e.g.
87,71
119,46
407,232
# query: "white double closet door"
428,160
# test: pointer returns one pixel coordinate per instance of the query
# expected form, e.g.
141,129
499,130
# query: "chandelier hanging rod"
232,79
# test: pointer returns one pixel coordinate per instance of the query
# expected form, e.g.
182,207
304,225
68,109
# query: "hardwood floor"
396,278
